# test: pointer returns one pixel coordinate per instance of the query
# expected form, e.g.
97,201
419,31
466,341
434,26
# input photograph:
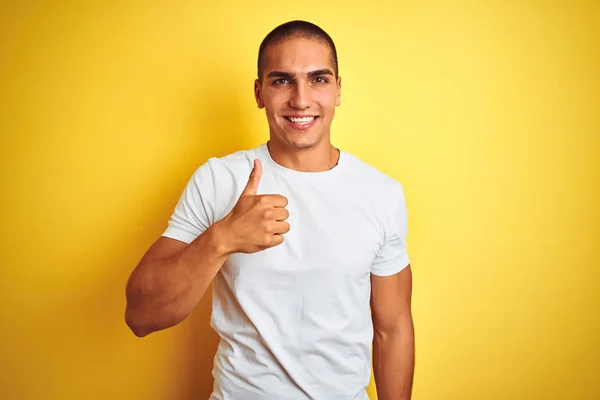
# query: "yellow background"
487,112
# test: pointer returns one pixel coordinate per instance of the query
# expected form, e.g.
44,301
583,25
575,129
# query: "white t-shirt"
294,320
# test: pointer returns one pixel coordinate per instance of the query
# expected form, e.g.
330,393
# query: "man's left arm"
393,343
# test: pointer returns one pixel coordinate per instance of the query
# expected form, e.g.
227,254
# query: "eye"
320,79
280,81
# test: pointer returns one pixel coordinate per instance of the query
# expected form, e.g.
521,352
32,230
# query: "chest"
334,236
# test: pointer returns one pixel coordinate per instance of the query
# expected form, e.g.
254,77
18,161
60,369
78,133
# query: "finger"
276,200
280,227
254,179
277,240
279,214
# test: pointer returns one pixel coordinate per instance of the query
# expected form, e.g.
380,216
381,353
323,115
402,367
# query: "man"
305,246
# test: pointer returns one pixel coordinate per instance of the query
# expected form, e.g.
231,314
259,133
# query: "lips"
301,120
301,123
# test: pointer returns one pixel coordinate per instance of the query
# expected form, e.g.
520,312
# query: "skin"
169,281
299,80
394,338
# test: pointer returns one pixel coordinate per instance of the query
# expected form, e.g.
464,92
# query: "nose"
300,97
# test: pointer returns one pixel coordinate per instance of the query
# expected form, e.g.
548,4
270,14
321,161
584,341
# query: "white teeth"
303,120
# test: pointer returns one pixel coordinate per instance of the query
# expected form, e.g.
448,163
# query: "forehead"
298,55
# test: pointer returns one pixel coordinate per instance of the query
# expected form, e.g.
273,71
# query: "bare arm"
171,279
393,343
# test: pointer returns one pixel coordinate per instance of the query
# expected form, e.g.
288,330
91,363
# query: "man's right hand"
256,222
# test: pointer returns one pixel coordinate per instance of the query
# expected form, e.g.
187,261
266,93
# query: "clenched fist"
256,222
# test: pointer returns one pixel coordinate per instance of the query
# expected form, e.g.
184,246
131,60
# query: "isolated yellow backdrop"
487,112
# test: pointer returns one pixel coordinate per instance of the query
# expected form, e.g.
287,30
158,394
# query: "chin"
302,142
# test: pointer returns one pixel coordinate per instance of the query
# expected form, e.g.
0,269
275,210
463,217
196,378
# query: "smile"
301,120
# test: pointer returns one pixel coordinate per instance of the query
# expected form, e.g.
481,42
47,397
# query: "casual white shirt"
294,320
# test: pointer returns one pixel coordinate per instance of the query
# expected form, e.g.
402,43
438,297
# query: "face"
299,92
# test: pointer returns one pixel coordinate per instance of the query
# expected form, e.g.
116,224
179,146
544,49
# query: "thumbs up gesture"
256,222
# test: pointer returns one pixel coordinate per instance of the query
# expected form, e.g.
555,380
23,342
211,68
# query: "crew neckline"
263,150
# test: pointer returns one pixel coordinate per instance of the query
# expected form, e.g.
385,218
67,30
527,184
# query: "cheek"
328,100
274,103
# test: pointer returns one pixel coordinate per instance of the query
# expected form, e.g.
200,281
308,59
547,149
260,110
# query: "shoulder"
372,179
216,183
380,190
242,159
234,163
220,169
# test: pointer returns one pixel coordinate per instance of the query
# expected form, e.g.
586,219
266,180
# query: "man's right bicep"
162,249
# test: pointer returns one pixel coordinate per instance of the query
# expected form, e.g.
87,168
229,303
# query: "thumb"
251,188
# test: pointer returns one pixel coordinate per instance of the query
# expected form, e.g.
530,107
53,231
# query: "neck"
319,158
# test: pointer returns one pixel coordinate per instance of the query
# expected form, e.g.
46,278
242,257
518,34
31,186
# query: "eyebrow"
287,75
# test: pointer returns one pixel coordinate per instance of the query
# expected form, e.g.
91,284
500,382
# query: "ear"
339,91
258,94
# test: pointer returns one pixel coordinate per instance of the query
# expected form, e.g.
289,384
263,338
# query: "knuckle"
263,200
267,239
267,228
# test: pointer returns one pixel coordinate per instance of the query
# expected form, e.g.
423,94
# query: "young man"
305,246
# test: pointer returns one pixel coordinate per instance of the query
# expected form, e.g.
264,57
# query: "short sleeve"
194,211
393,256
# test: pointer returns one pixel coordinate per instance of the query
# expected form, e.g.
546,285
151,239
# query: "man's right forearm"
162,293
